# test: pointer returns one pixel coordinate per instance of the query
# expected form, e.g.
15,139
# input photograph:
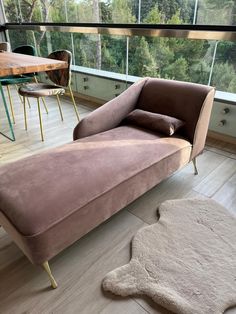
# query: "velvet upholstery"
154,121
111,114
120,163
189,102
50,200
61,77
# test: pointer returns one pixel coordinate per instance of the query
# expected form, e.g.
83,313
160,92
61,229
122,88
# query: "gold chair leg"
21,98
11,103
28,102
40,120
25,114
195,166
74,104
44,103
46,267
59,106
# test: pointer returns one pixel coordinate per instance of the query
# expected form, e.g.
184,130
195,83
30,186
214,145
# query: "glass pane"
216,12
209,12
165,12
224,66
104,52
170,58
199,61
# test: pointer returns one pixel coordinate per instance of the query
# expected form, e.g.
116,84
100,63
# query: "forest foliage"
173,58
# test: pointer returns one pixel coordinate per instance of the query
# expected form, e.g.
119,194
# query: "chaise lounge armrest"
110,114
200,132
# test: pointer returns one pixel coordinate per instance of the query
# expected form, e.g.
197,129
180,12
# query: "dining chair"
18,79
61,79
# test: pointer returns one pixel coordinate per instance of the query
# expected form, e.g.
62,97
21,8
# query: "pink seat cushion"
40,191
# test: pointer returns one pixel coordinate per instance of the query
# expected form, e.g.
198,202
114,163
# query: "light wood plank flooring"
79,270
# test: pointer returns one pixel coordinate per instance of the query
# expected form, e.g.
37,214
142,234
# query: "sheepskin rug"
186,262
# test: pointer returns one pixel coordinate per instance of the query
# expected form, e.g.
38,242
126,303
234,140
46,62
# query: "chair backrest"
26,49
5,46
61,77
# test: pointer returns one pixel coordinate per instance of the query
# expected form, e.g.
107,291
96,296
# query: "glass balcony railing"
169,39
200,56
124,40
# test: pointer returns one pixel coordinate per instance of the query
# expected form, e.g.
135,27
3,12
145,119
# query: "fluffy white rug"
186,262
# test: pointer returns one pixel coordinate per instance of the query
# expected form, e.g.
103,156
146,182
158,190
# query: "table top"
16,63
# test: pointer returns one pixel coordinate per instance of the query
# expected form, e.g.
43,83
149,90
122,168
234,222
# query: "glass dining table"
16,64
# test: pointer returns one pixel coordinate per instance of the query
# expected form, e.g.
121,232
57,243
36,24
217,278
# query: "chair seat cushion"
40,191
40,90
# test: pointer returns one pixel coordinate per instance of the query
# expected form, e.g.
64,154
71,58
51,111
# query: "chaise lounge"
120,151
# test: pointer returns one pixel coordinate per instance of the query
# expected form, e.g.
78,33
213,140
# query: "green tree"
178,70
143,63
106,14
168,8
154,16
173,52
121,11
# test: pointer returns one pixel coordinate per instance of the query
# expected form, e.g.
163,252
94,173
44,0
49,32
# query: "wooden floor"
79,270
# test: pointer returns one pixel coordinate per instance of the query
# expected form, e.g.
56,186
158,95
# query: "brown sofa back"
177,99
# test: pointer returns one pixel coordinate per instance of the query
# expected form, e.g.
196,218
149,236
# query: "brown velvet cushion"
39,191
154,121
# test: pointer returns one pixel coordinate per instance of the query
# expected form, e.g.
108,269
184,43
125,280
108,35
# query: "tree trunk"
45,6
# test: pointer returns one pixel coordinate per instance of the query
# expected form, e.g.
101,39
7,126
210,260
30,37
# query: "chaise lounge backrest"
177,99
189,102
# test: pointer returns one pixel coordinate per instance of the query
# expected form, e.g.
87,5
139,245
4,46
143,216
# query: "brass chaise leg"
195,166
46,267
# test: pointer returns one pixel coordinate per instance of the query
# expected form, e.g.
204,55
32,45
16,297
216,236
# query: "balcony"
196,45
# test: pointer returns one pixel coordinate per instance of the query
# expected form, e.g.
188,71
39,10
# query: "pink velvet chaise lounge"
51,199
